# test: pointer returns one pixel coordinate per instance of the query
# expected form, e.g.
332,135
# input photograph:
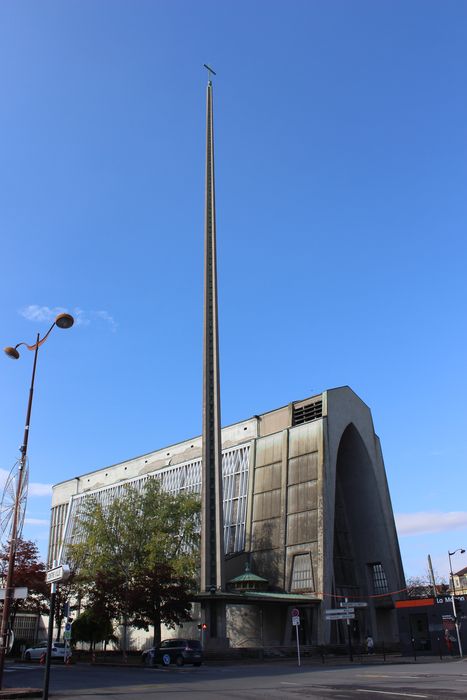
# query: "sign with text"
60,573
353,604
340,615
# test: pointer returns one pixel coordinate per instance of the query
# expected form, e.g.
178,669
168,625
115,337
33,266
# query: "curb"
21,693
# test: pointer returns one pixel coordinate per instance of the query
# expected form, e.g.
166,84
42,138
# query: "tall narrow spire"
212,521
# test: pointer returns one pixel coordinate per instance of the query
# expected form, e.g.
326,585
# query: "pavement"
330,661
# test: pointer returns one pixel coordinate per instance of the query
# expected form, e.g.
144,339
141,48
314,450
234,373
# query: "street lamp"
62,321
450,554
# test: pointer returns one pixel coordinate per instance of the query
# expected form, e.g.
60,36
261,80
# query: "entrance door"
419,631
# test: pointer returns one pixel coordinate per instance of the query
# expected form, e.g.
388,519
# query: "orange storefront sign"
415,603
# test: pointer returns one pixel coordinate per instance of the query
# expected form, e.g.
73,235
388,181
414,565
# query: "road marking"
287,683
387,692
381,675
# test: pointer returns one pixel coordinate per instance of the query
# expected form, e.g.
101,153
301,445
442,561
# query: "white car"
58,651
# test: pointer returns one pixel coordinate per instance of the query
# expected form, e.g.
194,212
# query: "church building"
307,521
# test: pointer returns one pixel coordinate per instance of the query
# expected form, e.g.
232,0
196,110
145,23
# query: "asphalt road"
269,681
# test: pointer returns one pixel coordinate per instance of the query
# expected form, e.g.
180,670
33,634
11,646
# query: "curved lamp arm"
62,321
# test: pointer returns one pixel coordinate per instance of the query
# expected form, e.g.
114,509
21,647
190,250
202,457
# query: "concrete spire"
212,521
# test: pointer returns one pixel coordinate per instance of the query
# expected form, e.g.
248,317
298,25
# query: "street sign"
353,604
339,611
296,624
60,573
342,615
18,593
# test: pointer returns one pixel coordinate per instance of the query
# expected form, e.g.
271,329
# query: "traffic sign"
353,604
295,612
295,620
343,615
18,593
60,573
67,634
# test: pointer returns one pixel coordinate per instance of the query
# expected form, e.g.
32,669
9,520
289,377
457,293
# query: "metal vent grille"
308,412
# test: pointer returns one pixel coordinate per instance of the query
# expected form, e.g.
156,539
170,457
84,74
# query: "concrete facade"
306,505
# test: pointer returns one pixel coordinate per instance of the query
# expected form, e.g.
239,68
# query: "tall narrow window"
302,573
380,582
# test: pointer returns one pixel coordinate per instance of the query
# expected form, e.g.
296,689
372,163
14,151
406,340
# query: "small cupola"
248,581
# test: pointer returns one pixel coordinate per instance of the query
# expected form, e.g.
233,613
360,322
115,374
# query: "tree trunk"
58,622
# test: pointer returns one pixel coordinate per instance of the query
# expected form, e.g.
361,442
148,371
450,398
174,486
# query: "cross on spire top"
210,71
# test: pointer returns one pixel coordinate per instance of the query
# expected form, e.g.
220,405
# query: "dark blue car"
174,651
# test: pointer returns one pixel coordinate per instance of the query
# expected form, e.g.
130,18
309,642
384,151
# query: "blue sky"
341,171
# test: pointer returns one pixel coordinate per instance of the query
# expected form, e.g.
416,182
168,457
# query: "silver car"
58,651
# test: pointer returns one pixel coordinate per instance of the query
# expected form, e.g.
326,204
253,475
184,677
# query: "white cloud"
3,477
105,316
36,521
429,522
36,489
33,312
80,317
37,313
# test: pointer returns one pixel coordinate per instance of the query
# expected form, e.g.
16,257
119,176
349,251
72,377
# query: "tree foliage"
29,572
422,587
138,555
92,626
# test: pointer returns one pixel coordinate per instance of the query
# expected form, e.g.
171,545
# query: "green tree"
92,626
138,555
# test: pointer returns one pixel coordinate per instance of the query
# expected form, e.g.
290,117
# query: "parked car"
58,651
174,651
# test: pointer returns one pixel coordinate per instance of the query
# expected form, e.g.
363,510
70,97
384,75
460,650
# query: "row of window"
302,575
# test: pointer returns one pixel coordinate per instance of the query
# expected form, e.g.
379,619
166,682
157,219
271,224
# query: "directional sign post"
345,612
54,576
349,635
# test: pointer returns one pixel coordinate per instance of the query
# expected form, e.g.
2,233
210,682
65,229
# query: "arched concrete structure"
361,551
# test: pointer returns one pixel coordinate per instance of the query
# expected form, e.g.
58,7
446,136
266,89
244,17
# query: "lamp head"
64,321
12,352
